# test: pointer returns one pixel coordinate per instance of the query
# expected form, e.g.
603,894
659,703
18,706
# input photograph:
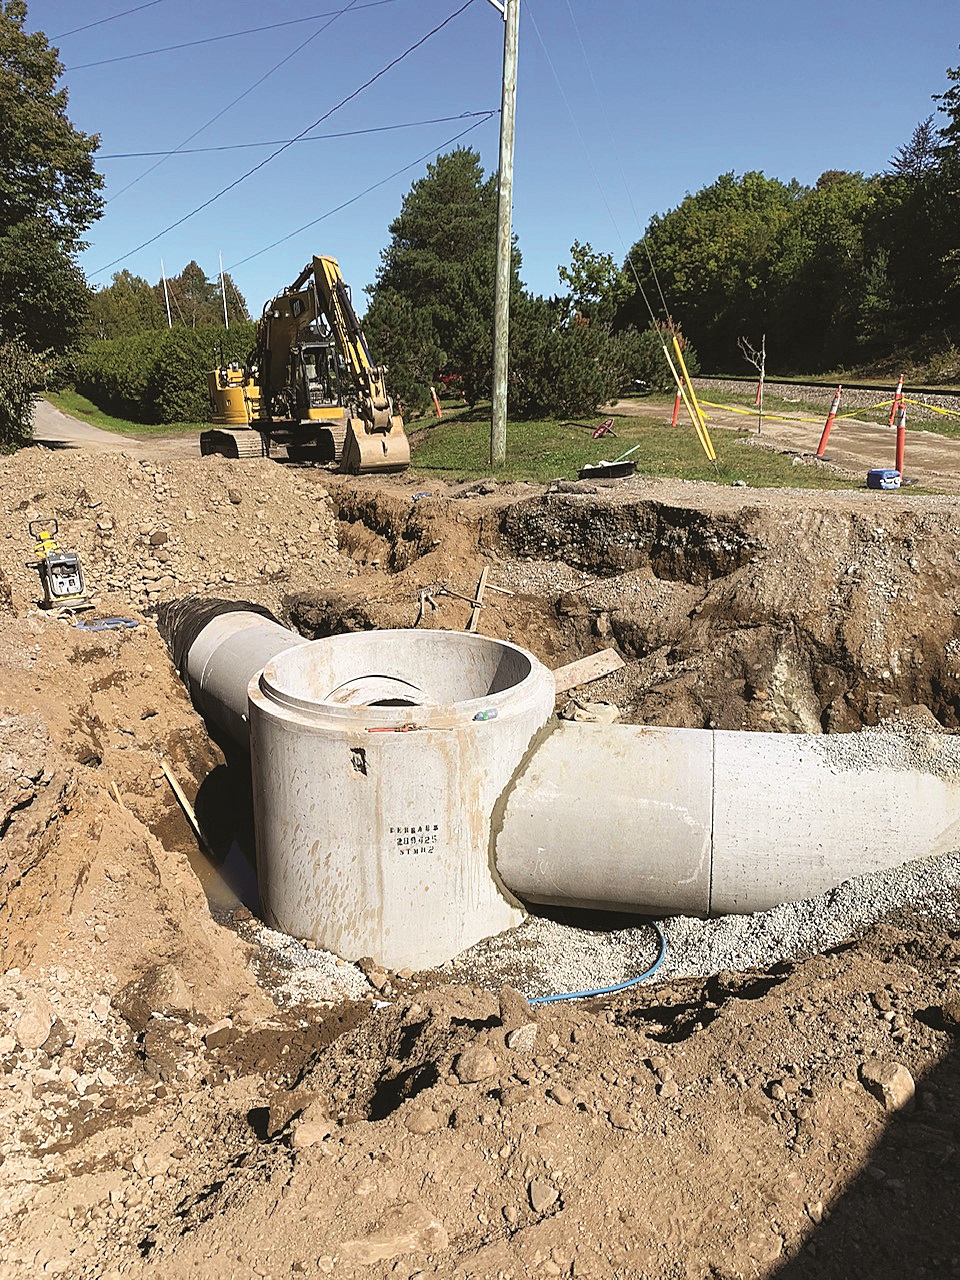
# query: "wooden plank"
478,600
186,806
586,669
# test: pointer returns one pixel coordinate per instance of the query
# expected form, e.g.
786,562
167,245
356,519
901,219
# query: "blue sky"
623,106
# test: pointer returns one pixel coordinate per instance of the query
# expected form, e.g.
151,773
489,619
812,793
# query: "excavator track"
244,443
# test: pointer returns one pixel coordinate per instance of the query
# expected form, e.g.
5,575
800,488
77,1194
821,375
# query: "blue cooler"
883,478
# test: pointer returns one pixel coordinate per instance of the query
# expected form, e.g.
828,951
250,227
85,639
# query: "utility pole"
501,304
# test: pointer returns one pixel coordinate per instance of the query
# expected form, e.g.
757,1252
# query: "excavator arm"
375,439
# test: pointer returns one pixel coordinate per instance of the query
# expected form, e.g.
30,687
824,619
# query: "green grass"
78,406
542,451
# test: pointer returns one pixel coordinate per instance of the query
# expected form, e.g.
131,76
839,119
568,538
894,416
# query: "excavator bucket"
375,450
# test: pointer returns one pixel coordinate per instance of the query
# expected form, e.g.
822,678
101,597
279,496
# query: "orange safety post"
828,425
436,403
676,409
901,436
897,397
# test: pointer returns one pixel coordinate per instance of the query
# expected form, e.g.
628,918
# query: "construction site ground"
183,1095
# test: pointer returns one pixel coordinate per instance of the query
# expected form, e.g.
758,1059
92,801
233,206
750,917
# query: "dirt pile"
164,1112
148,530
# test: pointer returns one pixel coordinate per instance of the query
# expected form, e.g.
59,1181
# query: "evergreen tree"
918,156
438,270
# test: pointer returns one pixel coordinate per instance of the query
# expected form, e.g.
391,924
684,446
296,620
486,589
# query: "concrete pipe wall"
228,652
408,783
700,822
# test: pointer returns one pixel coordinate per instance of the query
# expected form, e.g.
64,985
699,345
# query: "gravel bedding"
543,956
298,973
546,956
919,746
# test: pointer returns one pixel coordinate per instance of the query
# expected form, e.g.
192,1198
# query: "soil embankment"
184,1094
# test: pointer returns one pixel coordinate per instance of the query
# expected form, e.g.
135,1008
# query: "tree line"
855,270
129,305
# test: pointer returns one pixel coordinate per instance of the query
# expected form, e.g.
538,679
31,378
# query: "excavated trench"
728,615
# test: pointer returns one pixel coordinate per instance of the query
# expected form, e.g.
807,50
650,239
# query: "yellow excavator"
309,385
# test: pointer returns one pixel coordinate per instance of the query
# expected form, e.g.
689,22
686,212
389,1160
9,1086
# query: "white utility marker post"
166,296
223,294
501,303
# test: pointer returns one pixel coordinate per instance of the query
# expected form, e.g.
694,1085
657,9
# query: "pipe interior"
397,668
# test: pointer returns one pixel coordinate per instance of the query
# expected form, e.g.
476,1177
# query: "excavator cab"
316,377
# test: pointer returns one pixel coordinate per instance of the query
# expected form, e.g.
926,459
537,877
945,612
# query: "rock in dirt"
312,1128
890,1082
35,1022
409,1228
542,1195
421,1120
522,1039
514,1009
60,1036
221,1034
475,1064
158,990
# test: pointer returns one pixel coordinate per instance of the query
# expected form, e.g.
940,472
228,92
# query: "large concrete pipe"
408,783
702,822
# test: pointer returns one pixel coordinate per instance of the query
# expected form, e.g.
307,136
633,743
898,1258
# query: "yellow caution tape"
934,408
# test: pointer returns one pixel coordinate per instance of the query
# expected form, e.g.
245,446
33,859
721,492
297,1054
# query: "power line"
225,35
273,155
360,194
223,111
623,181
276,142
587,152
100,21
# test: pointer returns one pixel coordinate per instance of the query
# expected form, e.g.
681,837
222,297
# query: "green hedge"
21,372
161,375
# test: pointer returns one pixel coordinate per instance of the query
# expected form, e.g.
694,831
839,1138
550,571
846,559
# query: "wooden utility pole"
501,305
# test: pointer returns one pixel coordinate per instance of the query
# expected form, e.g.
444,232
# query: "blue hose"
620,986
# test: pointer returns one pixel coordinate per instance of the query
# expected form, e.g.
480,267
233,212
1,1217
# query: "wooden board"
478,599
586,669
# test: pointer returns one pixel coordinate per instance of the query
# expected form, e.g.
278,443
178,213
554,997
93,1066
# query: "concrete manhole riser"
377,761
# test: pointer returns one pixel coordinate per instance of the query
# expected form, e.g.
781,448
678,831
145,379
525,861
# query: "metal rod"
223,294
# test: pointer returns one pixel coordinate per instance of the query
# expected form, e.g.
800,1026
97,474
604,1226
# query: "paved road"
59,431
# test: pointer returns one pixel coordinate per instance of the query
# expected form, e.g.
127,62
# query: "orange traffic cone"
897,397
828,425
676,409
901,436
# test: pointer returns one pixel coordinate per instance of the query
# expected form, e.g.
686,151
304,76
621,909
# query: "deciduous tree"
49,191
